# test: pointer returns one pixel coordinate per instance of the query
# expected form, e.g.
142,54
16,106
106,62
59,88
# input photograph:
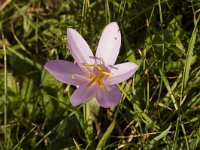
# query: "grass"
160,105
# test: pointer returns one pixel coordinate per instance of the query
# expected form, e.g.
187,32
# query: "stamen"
99,81
88,65
106,73
99,68
92,81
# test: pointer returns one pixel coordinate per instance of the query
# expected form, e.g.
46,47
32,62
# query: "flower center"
97,74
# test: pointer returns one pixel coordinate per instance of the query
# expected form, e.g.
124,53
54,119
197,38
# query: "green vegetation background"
160,107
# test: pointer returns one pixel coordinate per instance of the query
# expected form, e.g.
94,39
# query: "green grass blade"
159,137
23,138
6,136
129,51
26,59
189,56
88,130
106,135
77,146
166,82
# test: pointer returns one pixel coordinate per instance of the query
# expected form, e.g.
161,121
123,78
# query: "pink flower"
95,76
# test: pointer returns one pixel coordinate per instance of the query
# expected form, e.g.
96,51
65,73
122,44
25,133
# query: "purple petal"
109,96
66,72
120,73
109,44
82,94
79,48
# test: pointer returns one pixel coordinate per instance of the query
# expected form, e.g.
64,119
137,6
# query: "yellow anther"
99,68
106,73
103,72
88,65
